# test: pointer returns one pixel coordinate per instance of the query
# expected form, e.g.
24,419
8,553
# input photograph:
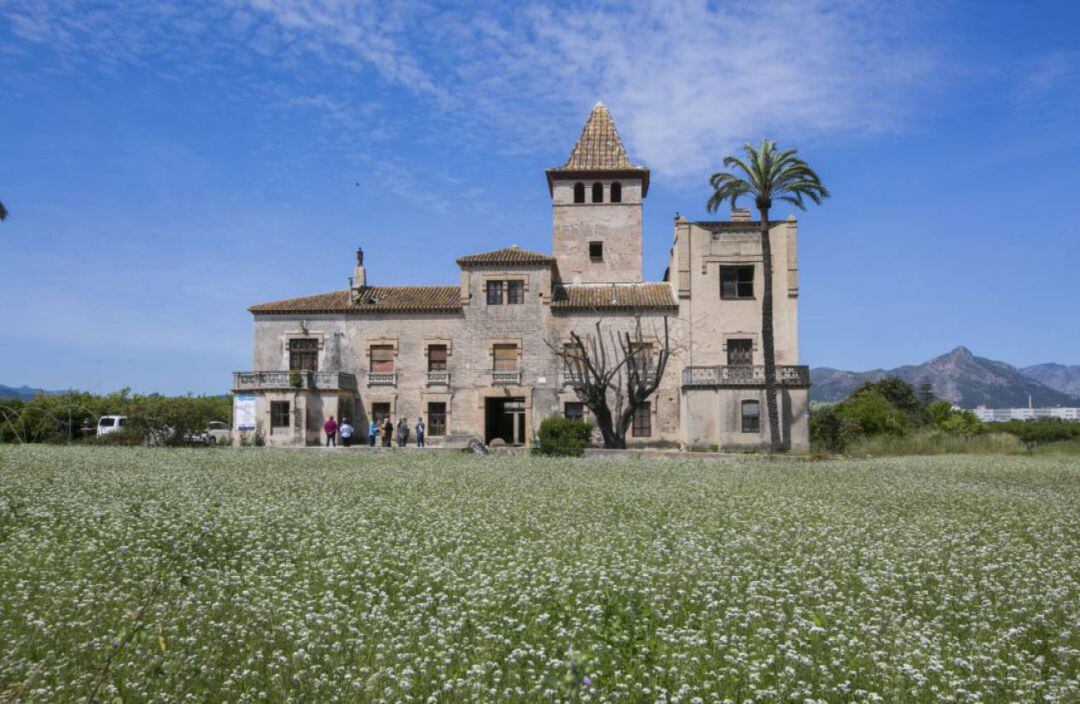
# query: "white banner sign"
244,411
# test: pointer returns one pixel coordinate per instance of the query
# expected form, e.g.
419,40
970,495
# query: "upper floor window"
596,251
598,192
736,282
304,354
641,357
751,416
616,192
515,292
436,358
740,353
494,293
505,358
579,192
382,359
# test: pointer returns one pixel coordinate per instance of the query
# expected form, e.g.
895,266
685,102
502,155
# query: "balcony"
278,381
791,376
382,379
438,378
500,377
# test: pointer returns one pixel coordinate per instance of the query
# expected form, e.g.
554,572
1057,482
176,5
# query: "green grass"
258,575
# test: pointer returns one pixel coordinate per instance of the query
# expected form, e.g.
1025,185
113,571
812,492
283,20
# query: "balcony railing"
382,379
795,376
505,377
438,378
272,381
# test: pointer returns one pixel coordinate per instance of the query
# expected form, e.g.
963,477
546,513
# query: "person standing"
372,431
388,432
401,432
331,428
346,432
419,431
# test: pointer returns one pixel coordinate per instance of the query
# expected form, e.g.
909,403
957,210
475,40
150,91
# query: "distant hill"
1060,377
958,376
23,393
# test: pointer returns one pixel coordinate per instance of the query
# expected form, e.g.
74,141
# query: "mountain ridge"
958,376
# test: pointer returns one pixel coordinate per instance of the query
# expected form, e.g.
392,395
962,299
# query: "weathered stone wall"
616,225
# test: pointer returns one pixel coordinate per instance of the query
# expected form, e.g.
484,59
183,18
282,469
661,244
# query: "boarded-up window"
643,421
506,358
304,354
436,413
436,358
279,414
515,292
751,416
382,359
740,353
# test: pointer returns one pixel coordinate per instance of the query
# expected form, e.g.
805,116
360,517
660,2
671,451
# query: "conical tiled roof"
599,147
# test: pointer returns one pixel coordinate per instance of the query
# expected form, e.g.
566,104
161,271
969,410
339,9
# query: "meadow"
252,575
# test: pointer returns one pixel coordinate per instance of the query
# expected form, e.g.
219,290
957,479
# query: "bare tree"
614,374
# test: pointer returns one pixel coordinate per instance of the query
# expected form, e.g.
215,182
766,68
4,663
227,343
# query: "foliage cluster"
58,417
1040,430
563,437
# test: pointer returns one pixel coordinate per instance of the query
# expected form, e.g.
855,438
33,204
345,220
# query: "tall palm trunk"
768,344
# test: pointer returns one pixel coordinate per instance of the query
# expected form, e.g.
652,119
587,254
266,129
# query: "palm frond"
3,212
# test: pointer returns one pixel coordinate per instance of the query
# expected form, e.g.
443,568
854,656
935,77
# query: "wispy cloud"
686,79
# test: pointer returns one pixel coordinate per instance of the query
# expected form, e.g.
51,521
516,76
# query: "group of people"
387,431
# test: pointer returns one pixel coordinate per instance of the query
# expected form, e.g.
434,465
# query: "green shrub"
831,431
1040,430
954,421
874,414
936,442
563,437
900,394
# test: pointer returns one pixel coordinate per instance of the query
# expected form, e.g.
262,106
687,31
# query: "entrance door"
504,418
379,411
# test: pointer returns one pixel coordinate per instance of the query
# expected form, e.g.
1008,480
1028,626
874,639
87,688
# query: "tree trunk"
768,344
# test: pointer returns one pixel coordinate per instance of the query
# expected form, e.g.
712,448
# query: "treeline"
889,411
60,418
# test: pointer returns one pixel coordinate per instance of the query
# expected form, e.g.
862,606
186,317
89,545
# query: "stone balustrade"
438,378
796,376
284,380
505,377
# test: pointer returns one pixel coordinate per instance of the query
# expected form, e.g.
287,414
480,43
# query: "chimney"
359,275
740,214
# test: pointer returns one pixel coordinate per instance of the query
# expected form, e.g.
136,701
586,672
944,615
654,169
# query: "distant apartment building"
1000,415
480,359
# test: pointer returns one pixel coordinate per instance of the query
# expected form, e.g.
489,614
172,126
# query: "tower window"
598,192
736,282
579,192
616,192
596,251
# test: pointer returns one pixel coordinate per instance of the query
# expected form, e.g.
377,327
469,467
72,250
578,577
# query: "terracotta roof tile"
378,299
507,255
599,146
613,296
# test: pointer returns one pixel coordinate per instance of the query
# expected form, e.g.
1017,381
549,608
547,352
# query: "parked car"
110,424
217,431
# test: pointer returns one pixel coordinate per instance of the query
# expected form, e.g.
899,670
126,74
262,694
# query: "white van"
110,424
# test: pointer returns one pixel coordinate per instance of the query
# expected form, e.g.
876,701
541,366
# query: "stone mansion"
480,359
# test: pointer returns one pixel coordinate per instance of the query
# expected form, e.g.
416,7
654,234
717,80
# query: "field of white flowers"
259,575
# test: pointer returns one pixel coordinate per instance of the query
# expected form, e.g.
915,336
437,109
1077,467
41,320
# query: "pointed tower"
596,197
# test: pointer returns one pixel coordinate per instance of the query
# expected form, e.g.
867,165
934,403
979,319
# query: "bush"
831,431
900,394
562,437
954,421
938,443
1040,430
874,414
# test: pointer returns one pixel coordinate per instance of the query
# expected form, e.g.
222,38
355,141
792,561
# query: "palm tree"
3,212
767,175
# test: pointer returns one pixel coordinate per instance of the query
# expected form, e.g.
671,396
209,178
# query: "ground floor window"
279,414
380,412
574,410
642,427
436,413
751,416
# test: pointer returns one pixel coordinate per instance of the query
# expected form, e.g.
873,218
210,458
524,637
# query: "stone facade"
479,359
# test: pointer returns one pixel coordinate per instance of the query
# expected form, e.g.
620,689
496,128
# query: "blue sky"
168,164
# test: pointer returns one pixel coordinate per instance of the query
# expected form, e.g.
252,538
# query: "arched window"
598,192
579,192
616,192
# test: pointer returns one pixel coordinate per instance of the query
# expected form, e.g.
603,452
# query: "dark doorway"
380,412
504,418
